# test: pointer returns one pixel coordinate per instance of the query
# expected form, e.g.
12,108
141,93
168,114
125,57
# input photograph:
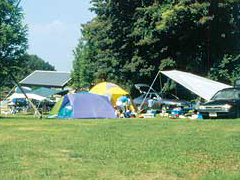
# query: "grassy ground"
121,149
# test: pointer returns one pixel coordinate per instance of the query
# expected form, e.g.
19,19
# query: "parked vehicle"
224,104
156,100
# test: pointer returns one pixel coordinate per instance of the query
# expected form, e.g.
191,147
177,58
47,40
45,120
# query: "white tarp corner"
30,96
203,87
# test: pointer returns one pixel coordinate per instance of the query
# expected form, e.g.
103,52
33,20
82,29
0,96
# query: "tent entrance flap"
203,87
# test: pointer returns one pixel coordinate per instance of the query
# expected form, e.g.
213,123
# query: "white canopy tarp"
30,96
203,87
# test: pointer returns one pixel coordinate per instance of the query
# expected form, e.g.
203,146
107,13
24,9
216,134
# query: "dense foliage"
82,73
13,41
32,63
129,41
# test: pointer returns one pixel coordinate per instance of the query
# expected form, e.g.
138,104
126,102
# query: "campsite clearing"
119,149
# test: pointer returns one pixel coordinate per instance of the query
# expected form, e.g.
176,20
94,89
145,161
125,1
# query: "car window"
227,94
144,88
169,96
149,96
154,96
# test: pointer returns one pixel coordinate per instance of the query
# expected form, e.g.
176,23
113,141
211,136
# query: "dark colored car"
157,101
19,102
224,104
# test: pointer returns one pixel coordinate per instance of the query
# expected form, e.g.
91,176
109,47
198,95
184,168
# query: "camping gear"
175,113
112,91
83,105
150,114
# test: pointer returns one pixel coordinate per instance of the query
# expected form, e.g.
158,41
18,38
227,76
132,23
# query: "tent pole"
20,87
160,78
149,90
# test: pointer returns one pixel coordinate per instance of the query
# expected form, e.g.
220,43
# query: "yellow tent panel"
112,91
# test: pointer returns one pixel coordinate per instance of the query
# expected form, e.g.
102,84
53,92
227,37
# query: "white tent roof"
203,87
30,96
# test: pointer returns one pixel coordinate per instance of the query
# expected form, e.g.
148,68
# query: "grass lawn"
119,149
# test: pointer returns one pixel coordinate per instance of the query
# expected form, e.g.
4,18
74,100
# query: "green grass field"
121,149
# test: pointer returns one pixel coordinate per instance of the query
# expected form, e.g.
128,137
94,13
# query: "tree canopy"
13,41
32,63
129,41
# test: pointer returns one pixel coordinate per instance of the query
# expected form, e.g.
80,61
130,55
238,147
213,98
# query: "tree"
131,40
81,74
107,50
32,63
13,41
228,70
194,34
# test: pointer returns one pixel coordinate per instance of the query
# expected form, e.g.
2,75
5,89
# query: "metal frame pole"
31,103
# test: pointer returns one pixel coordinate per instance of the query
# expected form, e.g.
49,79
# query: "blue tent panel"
82,105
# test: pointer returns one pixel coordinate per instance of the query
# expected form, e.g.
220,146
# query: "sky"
54,28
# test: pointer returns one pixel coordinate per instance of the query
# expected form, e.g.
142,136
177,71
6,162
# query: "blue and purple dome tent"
83,105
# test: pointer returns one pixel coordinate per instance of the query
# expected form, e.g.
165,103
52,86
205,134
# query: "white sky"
54,28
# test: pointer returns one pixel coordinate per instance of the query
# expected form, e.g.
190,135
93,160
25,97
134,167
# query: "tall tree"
82,72
13,41
130,40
